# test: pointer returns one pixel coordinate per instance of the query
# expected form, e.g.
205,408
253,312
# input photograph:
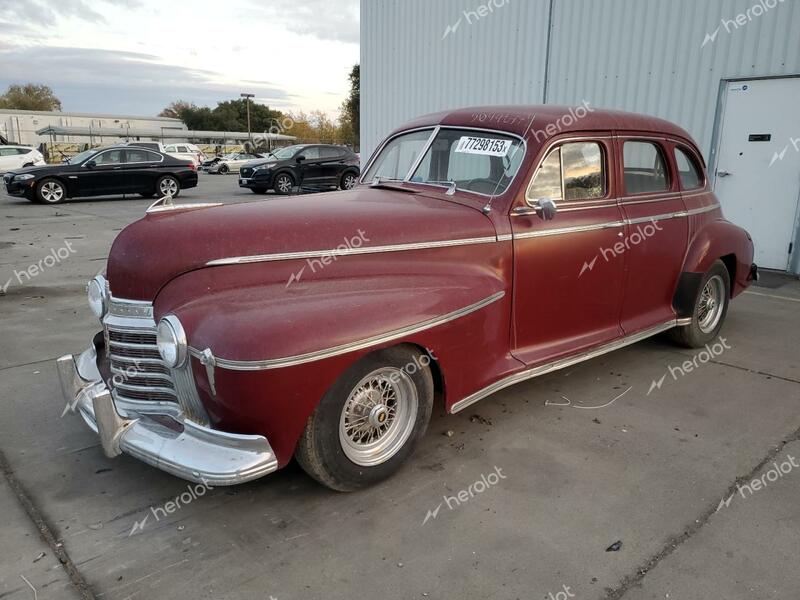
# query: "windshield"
482,162
284,153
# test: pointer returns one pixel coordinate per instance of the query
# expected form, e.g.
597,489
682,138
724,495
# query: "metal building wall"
640,55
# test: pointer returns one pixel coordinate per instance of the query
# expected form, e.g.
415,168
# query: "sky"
136,56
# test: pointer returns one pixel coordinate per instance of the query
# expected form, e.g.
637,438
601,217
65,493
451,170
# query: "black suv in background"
311,167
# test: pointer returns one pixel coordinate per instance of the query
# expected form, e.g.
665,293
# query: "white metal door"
758,164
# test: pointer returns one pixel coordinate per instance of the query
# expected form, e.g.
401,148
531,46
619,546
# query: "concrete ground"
655,473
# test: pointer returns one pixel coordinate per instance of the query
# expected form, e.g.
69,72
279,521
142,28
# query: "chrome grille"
141,380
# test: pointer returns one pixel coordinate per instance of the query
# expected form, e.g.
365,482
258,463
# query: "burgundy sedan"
482,247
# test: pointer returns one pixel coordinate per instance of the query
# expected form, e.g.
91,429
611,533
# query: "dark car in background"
104,172
309,166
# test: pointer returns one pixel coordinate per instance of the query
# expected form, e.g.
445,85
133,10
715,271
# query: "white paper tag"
479,145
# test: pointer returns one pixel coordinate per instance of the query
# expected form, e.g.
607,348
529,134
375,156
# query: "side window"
8,152
330,153
182,149
112,157
690,173
644,167
136,156
311,153
573,171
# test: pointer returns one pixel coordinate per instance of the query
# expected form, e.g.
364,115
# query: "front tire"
283,184
50,191
710,309
370,421
223,170
168,186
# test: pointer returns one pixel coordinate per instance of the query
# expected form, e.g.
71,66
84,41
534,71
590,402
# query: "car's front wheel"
370,421
223,169
50,191
168,186
710,309
283,184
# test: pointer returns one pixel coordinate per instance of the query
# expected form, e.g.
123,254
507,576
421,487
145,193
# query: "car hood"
152,251
41,170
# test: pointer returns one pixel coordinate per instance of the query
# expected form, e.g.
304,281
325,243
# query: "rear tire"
348,181
710,309
223,170
50,191
168,186
370,421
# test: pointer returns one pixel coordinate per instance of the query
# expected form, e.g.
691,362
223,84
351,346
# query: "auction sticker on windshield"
478,145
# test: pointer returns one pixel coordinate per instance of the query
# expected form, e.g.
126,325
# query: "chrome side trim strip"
289,361
563,230
559,364
238,260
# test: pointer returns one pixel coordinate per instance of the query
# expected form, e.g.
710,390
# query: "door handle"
723,173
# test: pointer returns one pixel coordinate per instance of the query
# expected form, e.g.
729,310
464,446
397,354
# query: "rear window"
688,170
645,168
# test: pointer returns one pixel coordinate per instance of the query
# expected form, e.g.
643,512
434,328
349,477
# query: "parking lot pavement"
522,500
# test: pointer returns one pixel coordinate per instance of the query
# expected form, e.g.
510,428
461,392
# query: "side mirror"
300,158
546,208
90,164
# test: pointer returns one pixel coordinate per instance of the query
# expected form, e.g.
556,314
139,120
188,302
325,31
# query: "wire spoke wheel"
378,416
711,304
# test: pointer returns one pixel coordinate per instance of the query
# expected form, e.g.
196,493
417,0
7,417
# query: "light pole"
247,100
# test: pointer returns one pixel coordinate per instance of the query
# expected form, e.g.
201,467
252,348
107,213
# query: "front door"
758,164
104,177
568,284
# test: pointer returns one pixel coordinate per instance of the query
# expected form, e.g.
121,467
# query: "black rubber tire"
277,179
259,190
38,193
344,176
158,185
223,170
319,450
691,335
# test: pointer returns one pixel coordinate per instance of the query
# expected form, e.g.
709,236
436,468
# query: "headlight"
261,168
23,177
171,341
98,297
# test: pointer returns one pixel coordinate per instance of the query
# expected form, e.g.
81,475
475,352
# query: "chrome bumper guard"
177,446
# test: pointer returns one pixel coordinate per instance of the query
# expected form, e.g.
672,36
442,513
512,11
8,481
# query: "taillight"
193,166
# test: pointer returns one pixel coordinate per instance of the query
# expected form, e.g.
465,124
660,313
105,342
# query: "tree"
30,97
230,115
350,118
175,109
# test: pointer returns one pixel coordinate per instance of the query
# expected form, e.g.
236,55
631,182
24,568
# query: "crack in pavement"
45,530
630,581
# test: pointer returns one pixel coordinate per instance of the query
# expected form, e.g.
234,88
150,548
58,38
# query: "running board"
560,364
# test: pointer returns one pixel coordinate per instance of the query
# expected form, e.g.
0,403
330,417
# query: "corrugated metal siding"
408,69
638,55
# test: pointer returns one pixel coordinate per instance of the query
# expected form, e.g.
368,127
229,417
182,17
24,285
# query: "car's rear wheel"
283,184
349,181
50,191
370,421
223,169
710,309
168,186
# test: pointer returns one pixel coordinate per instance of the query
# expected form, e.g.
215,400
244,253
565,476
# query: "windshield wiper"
452,186
383,181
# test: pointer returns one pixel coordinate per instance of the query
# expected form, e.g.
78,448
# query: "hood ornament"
165,204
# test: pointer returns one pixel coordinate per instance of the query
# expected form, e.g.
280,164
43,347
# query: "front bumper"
262,181
18,188
177,446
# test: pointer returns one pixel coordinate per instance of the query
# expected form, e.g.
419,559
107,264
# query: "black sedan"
309,166
104,172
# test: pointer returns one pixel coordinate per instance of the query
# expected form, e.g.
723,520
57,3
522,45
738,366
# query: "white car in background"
186,152
231,163
18,157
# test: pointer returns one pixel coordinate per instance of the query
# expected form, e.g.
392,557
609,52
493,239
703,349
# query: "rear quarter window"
690,173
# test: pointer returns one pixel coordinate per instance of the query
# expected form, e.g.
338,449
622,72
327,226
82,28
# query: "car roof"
544,121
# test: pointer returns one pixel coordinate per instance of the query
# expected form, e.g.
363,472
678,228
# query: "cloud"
45,13
88,79
324,19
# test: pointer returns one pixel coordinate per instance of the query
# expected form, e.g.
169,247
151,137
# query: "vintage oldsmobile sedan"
483,247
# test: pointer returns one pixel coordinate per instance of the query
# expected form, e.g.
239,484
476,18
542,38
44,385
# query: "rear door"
656,231
142,168
331,164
